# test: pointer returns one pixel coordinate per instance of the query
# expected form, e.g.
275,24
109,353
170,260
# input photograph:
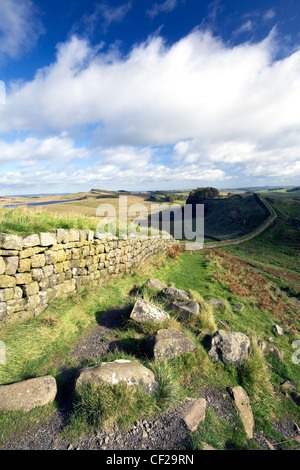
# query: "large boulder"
155,284
185,310
176,294
24,396
144,312
168,343
123,371
242,403
230,348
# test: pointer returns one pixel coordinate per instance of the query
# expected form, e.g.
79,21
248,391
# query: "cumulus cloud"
20,27
214,105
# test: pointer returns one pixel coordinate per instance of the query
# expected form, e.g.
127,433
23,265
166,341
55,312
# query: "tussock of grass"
169,391
206,319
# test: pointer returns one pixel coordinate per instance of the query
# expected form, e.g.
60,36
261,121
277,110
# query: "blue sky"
141,94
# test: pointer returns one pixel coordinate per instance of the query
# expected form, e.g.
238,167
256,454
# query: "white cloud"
165,7
20,27
216,104
245,27
269,15
107,15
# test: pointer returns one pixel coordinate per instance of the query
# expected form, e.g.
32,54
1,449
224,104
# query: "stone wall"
38,268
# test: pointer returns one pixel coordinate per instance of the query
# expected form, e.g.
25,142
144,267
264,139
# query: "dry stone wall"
38,268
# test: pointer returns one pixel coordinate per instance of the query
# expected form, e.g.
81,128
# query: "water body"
46,203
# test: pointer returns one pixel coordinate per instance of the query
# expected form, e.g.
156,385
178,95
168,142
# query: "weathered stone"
24,396
144,312
185,310
47,239
7,281
62,235
3,310
242,403
31,240
230,348
155,284
10,242
38,261
169,343
288,385
176,294
37,274
278,330
32,301
215,302
275,352
23,278
206,446
2,266
12,263
6,294
24,265
123,371
194,413
31,289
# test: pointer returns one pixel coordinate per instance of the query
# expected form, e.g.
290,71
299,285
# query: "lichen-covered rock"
176,294
31,240
130,373
185,310
230,348
24,396
2,266
10,242
144,312
169,343
242,403
7,281
155,284
47,239
12,263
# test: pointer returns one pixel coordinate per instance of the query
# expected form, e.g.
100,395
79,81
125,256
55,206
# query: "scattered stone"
207,446
24,396
296,397
194,413
176,294
144,312
120,371
169,343
239,308
185,310
288,385
155,284
230,348
275,352
215,303
242,403
278,330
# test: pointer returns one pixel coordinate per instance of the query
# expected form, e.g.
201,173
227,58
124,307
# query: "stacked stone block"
38,268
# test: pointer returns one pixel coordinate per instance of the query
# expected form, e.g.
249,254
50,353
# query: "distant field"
281,194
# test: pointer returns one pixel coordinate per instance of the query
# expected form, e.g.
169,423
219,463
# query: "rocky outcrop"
243,406
185,310
230,348
130,373
168,343
24,396
144,312
175,294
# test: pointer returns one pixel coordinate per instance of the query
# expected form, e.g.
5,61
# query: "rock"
169,343
194,413
207,446
7,281
120,371
10,242
296,439
239,308
185,310
215,303
47,239
275,352
155,284
230,348
278,330
242,403
2,266
176,294
144,312
296,397
288,385
24,396
31,240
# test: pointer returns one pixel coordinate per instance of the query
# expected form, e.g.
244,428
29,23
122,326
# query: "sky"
148,95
